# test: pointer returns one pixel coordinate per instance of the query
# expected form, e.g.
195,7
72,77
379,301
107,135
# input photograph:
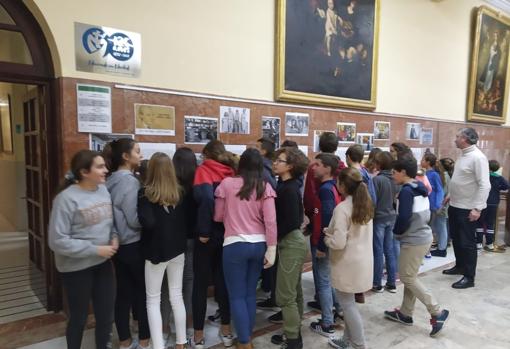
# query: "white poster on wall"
235,148
94,108
148,149
97,142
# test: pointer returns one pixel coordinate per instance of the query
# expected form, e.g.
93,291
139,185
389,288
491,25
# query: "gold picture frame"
308,73
488,80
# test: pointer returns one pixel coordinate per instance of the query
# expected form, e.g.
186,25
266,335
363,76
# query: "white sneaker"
199,345
228,340
147,347
133,345
479,246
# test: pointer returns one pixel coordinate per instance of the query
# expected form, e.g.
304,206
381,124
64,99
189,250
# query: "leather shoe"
465,282
453,271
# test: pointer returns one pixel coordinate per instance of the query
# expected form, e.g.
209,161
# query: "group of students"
229,219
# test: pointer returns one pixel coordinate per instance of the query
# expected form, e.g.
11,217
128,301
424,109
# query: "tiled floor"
262,326
22,286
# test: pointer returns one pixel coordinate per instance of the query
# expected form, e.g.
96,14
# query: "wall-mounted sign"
94,108
107,50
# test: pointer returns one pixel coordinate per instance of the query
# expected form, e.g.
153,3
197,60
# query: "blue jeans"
384,249
439,227
242,265
396,249
327,294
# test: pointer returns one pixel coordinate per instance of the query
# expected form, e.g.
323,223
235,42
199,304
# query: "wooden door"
37,195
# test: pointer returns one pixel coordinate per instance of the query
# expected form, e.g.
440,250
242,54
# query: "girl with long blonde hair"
163,221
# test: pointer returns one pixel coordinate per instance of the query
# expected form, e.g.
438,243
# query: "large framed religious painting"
488,83
327,52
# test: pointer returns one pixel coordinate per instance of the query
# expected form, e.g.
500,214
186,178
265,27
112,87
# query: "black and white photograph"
366,140
381,130
234,120
296,124
200,129
413,131
271,129
97,141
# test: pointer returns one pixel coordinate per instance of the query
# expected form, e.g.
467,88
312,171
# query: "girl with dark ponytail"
124,158
82,236
349,232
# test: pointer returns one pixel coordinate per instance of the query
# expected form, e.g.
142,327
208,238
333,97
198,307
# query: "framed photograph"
427,136
381,130
97,141
153,119
488,81
296,124
346,132
327,52
413,131
271,129
235,120
200,129
366,140
316,137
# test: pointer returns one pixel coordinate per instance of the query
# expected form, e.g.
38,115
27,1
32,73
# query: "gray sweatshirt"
80,221
123,187
386,191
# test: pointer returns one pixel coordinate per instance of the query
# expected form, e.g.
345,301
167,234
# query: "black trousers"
487,224
463,234
207,265
130,274
269,280
97,284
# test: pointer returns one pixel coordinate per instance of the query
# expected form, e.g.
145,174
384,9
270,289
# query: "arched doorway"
29,137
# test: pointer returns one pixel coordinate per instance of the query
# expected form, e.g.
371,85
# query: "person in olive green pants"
290,164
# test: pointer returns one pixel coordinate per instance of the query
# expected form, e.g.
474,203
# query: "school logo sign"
107,50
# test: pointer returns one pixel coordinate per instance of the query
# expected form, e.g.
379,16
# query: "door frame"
40,73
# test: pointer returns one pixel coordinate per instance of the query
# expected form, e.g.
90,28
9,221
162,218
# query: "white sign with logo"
107,50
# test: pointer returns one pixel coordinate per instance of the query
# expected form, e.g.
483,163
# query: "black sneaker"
438,322
214,317
338,316
377,289
267,304
438,253
397,316
278,339
390,288
276,318
314,305
292,344
319,328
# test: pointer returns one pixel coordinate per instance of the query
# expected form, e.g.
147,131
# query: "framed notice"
94,108
154,120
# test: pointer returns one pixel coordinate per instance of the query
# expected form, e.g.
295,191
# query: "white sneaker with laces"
227,339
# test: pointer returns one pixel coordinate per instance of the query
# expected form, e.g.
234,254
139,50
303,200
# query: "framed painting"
327,52
488,81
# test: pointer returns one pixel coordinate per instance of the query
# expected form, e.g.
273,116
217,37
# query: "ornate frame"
472,115
282,94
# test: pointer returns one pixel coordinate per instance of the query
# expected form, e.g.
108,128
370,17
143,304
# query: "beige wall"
227,48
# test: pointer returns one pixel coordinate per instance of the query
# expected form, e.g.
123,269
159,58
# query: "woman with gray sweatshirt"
124,158
81,235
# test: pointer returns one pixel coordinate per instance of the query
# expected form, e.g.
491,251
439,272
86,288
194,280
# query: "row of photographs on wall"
99,141
160,120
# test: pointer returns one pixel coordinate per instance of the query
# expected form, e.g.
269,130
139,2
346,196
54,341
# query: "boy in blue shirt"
489,215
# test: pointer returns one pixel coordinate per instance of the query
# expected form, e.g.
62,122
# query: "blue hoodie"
437,195
413,215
